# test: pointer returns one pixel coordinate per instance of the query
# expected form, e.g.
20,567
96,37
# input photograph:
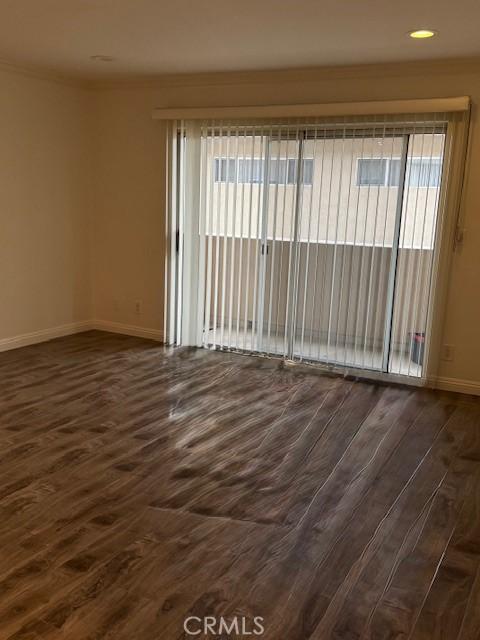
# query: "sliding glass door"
318,242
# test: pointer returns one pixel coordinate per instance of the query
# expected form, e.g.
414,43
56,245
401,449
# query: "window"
385,172
225,170
251,171
371,172
424,172
394,172
252,256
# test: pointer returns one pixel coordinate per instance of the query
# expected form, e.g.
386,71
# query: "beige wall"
128,246
45,201
128,222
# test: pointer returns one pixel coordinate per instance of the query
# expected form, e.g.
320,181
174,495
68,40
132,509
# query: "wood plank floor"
140,486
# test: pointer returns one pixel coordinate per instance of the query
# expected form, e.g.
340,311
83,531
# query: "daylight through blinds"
314,240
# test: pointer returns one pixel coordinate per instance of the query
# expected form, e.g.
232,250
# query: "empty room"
239,320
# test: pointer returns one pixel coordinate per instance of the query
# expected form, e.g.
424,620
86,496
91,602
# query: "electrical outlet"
138,307
448,352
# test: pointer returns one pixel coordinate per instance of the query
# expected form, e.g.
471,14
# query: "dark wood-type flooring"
141,485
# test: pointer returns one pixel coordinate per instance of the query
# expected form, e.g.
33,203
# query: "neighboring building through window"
371,172
385,172
252,170
424,172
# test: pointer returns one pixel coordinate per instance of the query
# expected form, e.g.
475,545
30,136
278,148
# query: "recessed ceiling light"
420,34
101,58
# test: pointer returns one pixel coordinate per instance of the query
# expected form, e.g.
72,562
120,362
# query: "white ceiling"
149,37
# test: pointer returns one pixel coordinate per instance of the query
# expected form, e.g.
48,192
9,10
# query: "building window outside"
385,172
252,170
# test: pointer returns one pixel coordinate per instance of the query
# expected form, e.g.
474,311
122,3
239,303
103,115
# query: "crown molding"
40,73
294,75
299,75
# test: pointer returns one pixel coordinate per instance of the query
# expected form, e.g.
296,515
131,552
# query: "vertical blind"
309,239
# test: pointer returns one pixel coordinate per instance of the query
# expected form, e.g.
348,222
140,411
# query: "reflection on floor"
359,356
142,486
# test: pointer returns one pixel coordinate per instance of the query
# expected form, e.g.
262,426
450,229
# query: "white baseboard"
26,339
128,330
456,384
